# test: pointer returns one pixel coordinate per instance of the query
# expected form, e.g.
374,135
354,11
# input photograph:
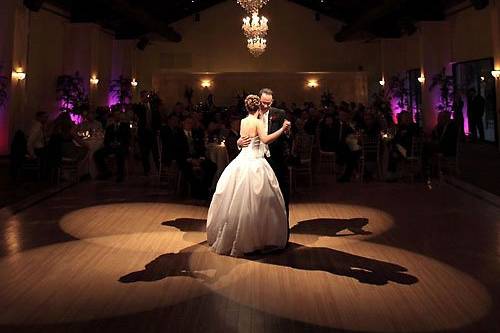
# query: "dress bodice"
255,149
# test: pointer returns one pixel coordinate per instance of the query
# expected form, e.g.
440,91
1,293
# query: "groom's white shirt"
265,119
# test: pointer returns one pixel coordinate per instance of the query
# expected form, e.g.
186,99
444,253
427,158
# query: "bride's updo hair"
252,103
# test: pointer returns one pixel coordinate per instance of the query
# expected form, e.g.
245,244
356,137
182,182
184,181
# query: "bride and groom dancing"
249,210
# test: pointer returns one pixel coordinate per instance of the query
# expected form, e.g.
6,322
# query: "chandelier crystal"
255,27
252,6
256,46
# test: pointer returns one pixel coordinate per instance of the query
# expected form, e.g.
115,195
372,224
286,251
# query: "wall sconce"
382,82
496,74
482,78
19,74
206,83
421,79
94,80
134,83
312,83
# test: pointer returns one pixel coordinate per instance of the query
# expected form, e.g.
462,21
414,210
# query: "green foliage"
445,85
71,94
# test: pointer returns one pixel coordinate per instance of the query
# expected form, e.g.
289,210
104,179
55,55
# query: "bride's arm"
264,138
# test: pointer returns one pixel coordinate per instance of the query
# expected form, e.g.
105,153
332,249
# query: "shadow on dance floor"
297,256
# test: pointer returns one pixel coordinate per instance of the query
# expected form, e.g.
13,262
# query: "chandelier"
255,27
256,45
252,6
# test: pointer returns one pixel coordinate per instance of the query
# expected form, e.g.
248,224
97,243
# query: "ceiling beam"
146,20
363,22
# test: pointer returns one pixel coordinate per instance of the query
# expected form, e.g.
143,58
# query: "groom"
277,156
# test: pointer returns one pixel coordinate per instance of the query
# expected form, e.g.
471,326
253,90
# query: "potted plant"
445,84
71,94
398,91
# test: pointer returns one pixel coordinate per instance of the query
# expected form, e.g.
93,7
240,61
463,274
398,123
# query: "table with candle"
93,140
217,153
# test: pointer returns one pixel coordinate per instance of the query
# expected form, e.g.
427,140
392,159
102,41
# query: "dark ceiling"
362,19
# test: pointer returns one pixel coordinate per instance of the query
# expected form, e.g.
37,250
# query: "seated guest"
64,143
311,124
90,124
232,138
302,143
64,134
328,135
213,132
337,136
179,111
348,151
37,136
197,121
116,142
198,170
406,131
370,126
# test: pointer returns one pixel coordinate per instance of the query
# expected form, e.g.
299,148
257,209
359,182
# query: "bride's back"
249,127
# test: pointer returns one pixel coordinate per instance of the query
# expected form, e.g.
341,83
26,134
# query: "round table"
217,153
93,144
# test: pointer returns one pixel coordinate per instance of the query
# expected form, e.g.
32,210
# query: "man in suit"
148,126
279,151
190,155
475,113
116,141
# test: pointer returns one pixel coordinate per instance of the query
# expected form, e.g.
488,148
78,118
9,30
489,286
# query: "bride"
247,212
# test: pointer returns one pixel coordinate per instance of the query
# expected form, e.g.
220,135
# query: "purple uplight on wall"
466,119
113,100
396,110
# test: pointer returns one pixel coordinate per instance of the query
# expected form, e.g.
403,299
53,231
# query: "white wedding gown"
247,212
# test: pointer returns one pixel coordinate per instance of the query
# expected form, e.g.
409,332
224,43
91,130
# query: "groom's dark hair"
266,91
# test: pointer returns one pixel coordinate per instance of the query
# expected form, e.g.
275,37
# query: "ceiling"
362,19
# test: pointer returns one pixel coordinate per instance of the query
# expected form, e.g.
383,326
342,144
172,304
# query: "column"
495,34
435,48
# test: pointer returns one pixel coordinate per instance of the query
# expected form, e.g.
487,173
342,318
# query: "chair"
449,163
304,168
412,164
171,177
327,162
370,147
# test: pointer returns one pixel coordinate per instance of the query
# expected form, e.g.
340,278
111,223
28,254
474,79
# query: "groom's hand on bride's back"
243,141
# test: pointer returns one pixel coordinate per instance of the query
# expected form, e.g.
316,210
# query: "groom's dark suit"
279,150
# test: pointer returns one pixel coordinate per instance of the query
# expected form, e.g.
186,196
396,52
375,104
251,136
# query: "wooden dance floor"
100,257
